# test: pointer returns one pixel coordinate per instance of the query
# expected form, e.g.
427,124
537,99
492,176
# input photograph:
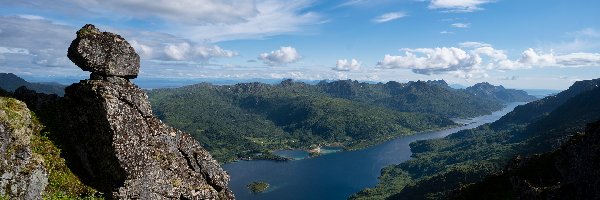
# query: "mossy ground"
62,182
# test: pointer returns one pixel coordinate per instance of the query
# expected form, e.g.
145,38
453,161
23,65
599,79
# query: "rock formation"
103,53
121,148
22,174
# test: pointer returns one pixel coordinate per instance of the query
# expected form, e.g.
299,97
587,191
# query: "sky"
528,44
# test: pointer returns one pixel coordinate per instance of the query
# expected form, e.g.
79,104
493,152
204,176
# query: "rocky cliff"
119,146
22,173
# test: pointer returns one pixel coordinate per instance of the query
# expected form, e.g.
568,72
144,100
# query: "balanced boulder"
103,53
121,148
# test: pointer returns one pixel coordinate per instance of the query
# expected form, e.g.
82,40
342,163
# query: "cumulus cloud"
389,17
29,45
430,61
282,56
474,59
347,65
458,5
460,25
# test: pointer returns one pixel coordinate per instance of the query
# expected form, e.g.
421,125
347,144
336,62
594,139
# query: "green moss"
258,187
62,182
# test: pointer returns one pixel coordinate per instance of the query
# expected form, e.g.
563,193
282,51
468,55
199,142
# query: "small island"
258,186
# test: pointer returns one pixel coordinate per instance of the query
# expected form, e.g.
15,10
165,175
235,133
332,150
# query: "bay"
335,175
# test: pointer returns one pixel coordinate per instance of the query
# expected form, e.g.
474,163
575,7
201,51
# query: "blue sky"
517,43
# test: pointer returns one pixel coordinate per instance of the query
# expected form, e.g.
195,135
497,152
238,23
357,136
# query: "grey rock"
130,153
22,173
103,53
122,148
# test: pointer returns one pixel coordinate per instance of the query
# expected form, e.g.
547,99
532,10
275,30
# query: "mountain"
252,119
441,165
434,97
570,172
10,82
499,93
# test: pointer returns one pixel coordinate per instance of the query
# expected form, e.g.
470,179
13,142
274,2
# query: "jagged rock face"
103,53
126,151
22,174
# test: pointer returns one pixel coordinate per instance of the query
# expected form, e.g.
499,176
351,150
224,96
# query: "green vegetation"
62,183
251,120
442,165
258,187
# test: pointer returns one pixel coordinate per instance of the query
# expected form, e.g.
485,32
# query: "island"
258,186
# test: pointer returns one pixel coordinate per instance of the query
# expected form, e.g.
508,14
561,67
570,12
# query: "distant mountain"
442,165
434,97
252,119
10,82
500,93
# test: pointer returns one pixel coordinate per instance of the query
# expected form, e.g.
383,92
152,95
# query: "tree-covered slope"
434,97
570,172
441,165
251,119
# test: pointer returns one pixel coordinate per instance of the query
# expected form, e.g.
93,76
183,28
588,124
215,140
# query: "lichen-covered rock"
103,53
126,151
22,173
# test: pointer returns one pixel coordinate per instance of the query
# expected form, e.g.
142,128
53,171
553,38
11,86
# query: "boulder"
22,173
121,148
103,53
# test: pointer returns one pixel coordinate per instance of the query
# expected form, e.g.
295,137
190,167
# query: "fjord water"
336,175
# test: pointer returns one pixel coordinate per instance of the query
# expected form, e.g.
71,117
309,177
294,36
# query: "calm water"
336,175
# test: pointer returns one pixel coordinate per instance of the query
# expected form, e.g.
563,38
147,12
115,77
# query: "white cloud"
477,58
430,61
283,55
446,32
532,58
586,32
389,17
274,17
177,51
458,5
473,44
347,65
198,20
8,50
460,25
578,60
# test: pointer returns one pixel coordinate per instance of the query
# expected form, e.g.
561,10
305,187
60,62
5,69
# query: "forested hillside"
252,119
441,165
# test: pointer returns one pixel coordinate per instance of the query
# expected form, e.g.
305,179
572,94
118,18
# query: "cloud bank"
473,59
